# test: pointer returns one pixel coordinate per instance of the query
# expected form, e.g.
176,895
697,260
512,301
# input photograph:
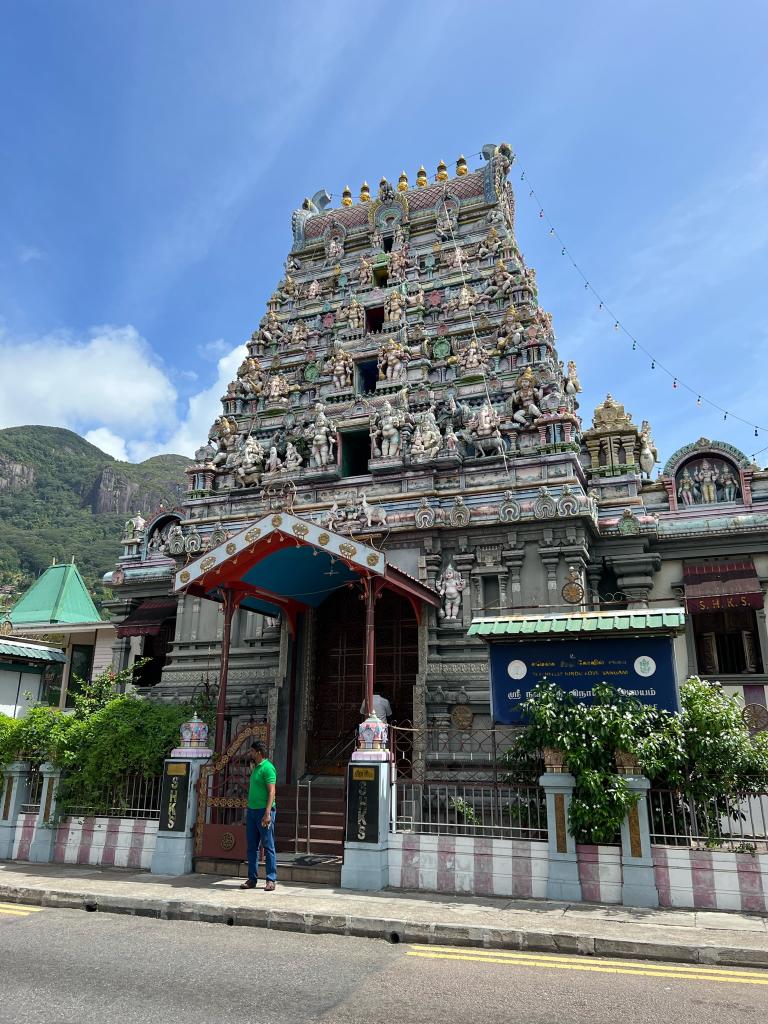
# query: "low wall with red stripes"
102,842
23,836
711,879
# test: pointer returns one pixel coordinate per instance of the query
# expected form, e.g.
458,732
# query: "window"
374,319
726,642
367,373
80,668
388,240
491,595
381,275
355,452
156,649
50,684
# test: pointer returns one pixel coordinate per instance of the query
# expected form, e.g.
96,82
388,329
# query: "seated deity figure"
286,290
501,282
526,397
341,366
313,291
322,435
491,245
274,464
415,298
399,264
251,377
474,357
299,333
466,299
431,438
278,389
250,462
269,332
509,334
293,459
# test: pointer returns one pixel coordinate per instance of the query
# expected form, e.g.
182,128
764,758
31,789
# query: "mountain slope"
62,497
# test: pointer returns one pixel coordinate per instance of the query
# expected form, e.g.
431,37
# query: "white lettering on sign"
514,695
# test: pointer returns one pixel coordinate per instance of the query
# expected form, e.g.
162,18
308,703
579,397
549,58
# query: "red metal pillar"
230,603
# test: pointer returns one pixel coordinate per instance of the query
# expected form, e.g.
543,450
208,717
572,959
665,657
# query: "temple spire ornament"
365,193
346,196
461,167
421,177
442,171
402,182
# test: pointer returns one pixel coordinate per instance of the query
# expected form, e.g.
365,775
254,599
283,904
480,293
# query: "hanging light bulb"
698,400
674,383
755,431
586,285
551,232
725,415
522,176
653,364
530,194
600,306
541,214
562,251
616,326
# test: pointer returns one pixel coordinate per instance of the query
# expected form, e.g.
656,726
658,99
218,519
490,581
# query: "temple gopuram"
403,416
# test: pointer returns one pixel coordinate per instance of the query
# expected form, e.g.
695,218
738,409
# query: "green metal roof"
33,652
59,595
663,620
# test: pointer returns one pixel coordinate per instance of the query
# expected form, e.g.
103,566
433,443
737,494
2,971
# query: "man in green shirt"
260,818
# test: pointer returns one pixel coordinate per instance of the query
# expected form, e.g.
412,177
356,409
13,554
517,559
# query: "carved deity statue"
500,283
394,306
278,388
365,271
286,290
473,357
685,488
399,264
299,333
355,315
509,334
135,527
466,299
251,377
484,433
313,291
270,332
334,250
445,225
649,454
293,459
450,585
491,245
729,484
393,357
526,397
572,382
341,366
427,439
322,435
274,463
707,480
415,298
385,432
250,462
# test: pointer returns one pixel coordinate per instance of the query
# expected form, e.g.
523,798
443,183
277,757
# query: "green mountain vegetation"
62,497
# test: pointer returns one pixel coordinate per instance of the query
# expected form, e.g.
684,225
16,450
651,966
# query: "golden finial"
442,171
402,182
346,196
421,177
461,166
365,193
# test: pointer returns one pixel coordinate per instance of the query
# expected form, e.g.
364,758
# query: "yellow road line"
14,913
595,969
561,958
20,906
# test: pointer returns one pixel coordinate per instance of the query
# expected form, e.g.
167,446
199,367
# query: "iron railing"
437,753
35,792
738,825
135,796
459,809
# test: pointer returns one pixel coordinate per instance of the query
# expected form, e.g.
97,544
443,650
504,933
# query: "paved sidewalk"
689,936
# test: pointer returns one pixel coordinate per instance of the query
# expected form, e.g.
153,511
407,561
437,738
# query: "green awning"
32,652
659,620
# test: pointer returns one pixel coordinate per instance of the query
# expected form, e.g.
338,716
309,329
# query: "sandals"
269,887
249,883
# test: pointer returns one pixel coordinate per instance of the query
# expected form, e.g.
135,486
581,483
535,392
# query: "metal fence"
135,796
436,753
459,809
740,825
35,794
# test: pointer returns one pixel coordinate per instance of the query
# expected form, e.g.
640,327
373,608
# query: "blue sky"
152,153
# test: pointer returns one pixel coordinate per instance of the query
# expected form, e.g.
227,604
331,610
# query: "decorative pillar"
44,840
178,801
369,775
15,795
639,884
563,881
231,601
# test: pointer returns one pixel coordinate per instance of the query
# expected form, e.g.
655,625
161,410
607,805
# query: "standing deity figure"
707,478
529,279
572,382
385,432
278,389
377,240
526,397
509,334
293,460
224,434
322,434
490,245
457,260
313,290
500,283
355,315
341,366
365,271
450,586
393,307
415,299
729,484
685,488
251,378
399,262
649,455
398,241
135,527
274,465
250,462
473,357
393,357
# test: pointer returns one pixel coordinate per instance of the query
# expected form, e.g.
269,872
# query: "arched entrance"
339,683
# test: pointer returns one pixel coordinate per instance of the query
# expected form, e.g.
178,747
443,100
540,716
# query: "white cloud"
109,378
110,443
30,254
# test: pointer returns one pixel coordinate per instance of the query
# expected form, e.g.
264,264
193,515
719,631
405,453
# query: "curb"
391,930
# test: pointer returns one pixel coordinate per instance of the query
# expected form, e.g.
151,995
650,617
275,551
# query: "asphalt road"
62,966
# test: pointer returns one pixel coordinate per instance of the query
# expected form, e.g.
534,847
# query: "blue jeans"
258,836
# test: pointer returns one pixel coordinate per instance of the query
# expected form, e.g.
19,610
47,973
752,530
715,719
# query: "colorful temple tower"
403,389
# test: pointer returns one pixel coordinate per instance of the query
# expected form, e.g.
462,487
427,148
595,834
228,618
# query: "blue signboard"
641,667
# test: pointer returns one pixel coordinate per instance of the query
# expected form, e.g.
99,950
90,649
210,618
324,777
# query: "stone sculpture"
393,358
250,462
649,455
365,272
450,585
342,368
526,397
322,436
501,282
394,306
385,432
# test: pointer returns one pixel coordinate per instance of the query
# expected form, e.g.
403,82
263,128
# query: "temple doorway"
339,684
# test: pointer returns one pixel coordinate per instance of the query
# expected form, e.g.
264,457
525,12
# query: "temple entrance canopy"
283,565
